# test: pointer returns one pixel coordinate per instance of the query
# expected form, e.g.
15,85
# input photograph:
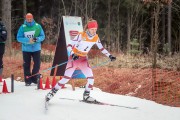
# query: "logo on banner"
73,23
73,33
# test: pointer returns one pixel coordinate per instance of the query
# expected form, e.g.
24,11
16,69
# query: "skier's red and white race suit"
80,46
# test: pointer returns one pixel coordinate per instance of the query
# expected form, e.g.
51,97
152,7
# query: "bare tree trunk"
39,4
64,7
163,28
152,29
128,30
169,28
24,8
59,19
75,7
86,11
52,9
156,34
91,7
109,25
179,54
154,46
6,18
118,32
141,45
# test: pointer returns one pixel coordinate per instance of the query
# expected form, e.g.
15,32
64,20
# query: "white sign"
72,26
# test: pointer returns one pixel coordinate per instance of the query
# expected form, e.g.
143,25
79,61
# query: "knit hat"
92,24
29,16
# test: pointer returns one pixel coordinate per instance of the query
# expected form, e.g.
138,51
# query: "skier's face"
92,31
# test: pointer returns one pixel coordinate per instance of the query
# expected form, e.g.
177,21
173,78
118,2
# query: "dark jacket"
3,33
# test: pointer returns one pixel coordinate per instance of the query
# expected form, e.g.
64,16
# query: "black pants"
27,66
2,49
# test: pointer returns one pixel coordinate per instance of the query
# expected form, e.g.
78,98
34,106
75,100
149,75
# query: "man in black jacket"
3,37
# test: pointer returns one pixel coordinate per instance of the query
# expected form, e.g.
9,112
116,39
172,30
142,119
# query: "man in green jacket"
3,37
30,35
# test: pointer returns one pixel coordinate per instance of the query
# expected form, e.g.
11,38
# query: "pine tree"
134,47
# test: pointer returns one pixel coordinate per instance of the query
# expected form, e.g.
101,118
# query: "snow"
27,103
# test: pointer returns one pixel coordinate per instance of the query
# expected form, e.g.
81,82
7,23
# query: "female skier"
80,47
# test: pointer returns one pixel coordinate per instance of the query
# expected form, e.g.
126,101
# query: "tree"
134,47
156,4
24,7
133,9
6,18
118,27
169,27
109,23
163,27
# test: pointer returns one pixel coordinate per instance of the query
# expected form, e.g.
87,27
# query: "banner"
70,27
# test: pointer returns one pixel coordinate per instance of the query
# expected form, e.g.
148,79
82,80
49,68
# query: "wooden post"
12,83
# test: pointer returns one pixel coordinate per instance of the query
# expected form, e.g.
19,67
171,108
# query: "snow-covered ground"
27,103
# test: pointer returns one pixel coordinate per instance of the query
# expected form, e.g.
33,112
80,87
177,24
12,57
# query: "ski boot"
50,94
87,98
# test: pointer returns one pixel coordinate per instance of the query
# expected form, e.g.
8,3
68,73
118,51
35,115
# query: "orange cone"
47,86
0,78
40,84
53,82
4,90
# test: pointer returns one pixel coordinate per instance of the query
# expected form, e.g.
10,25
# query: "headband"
92,24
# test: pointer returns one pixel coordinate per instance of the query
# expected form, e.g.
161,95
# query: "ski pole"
102,63
39,73
57,65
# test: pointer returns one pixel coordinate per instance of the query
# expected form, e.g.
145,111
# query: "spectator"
3,38
30,35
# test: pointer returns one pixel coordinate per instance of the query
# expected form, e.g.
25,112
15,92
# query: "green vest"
33,31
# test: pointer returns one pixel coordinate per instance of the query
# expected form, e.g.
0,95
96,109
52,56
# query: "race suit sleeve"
103,50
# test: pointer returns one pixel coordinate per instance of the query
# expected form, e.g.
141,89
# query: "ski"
99,103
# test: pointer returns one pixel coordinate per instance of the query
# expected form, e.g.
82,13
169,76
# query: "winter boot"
28,82
87,98
50,94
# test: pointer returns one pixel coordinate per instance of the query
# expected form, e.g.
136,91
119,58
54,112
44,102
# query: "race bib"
29,34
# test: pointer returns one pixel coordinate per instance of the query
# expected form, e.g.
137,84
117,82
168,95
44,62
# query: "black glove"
35,39
112,58
75,57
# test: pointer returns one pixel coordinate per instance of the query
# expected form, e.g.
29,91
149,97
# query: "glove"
75,57
34,39
112,58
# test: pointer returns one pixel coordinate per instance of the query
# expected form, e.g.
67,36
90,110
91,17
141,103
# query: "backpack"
3,33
